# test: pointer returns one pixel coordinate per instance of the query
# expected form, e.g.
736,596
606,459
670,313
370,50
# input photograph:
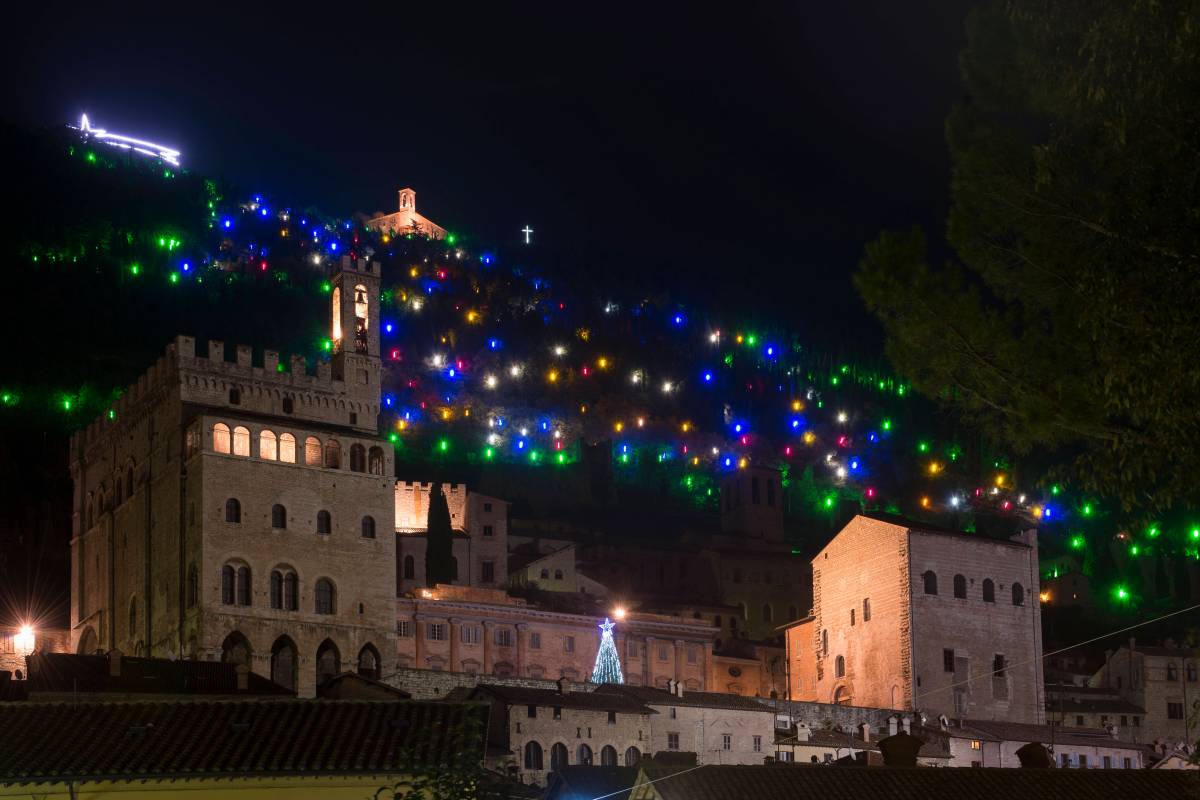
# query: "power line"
647,783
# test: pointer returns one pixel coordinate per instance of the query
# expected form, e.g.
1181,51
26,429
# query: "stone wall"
426,684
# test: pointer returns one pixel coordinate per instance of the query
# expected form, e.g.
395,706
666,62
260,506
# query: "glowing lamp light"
678,319
708,377
854,463
1044,597
886,425
809,437
737,428
955,500
24,640
842,417
926,502
388,327
667,387
641,422
742,463
870,493
515,370
619,612
841,472
1121,593
619,426
1196,533
1086,510
490,381
559,350
787,451
493,344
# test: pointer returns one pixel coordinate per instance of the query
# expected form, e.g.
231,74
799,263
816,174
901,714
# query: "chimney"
802,732
906,724
671,685
865,729
243,677
679,689
900,750
114,663
564,686
944,722
893,725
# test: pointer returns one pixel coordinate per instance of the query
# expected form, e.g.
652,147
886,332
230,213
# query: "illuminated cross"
528,231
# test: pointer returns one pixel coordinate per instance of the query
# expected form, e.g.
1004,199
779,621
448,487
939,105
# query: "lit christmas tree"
608,663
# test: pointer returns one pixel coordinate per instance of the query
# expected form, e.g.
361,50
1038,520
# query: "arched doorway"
283,662
236,649
632,756
558,756
584,755
88,643
608,756
329,661
368,662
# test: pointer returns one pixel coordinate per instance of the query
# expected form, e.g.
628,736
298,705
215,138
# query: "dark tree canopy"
439,541
1066,320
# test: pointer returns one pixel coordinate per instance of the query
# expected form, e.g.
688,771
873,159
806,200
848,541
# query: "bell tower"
355,330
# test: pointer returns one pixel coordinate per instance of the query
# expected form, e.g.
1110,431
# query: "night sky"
743,157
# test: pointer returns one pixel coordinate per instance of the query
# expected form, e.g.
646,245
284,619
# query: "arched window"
291,592
989,591
235,649
358,458
193,586
329,661
409,568
132,617
228,593
545,574
235,396
368,662
268,446
608,756
287,448
583,755
324,596
276,589
375,461
960,587
839,667
362,315
241,441
767,613
312,451
278,517
333,454
533,755
283,663
243,586
324,521
558,756
221,440
930,578
368,527
337,316
632,756
1018,594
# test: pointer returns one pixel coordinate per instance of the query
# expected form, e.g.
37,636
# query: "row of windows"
583,756
279,519
285,659
284,448
470,634
960,588
236,589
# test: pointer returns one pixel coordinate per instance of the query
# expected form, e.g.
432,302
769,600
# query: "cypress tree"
439,542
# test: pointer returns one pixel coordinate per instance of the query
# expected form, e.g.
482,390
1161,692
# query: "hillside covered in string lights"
508,364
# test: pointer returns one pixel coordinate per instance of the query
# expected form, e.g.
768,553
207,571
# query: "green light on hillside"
327,344
135,269
1087,510
886,425
834,380
1196,533
1153,532
443,445
923,447
451,238
1077,542
174,277
1055,489
489,453
9,399
91,157
1121,593
393,438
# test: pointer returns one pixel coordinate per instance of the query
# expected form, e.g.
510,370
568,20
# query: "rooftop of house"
553,698
934,747
926,527
115,673
1090,705
994,730
797,782
661,697
574,781
55,742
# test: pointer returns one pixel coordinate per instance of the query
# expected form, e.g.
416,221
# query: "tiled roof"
934,746
804,782
661,697
1092,705
89,674
1168,652
1024,732
591,701
576,782
925,527
234,738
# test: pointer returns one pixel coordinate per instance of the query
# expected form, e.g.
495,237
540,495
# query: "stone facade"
462,629
406,219
979,743
480,529
16,644
556,571
241,510
1165,681
910,617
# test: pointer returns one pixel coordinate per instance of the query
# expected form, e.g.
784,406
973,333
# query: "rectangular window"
672,741
487,571
998,665
1137,722
672,714
1079,720
535,641
488,531
976,744
503,637
726,741
1082,761
1066,760
1124,720
866,609
947,660
487,506
469,634
1127,763
404,628
612,718
662,652
436,632
568,644
531,712
1174,710
692,657
976,763
558,712
852,618
1108,762
758,744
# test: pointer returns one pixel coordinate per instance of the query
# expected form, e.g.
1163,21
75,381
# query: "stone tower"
355,331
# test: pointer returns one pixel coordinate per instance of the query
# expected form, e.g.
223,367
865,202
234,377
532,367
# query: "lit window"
241,441
268,446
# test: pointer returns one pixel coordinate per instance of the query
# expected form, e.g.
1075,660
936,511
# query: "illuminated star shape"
607,626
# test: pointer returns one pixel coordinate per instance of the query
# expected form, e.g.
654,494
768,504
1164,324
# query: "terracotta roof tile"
595,701
67,672
661,697
81,741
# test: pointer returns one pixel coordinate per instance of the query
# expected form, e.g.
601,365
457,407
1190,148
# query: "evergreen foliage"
439,541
